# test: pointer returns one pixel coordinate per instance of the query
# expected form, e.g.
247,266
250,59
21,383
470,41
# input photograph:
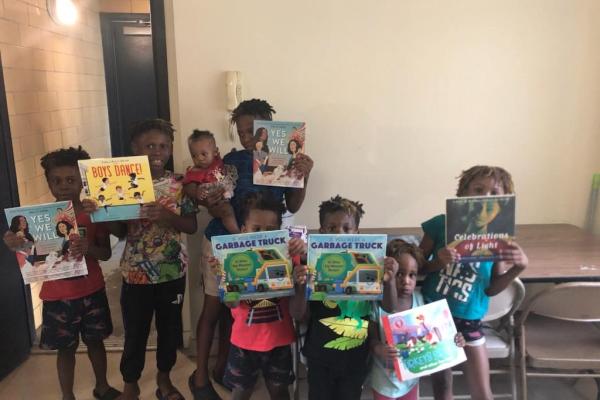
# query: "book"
277,145
119,185
47,230
480,227
343,267
253,266
424,337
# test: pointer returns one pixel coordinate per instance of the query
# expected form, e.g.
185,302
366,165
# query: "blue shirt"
242,160
463,285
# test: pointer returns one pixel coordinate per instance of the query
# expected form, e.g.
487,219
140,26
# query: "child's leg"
477,372
169,329
278,371
242,371
228,219
65,365
442,385
349,384
321,382
225,322
137,305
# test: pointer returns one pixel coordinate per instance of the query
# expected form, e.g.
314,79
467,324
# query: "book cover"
253,265
346,267
47,230
424,337
479,227
277,145
119,185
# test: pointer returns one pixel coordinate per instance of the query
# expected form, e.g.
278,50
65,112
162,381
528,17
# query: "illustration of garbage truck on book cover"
253,265
346,266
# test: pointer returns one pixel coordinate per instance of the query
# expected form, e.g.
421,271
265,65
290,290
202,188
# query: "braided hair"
254,107
498,174
338,203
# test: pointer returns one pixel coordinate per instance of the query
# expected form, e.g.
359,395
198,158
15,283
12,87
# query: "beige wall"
400,96
125,6
55,89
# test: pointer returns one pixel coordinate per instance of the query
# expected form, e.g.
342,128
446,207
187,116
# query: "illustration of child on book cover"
253,265
48,230
479,227
119,185
277,144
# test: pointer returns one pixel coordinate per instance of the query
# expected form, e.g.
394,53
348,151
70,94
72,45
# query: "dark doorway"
16,319
136,71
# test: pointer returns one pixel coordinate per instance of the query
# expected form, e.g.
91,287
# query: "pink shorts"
412,395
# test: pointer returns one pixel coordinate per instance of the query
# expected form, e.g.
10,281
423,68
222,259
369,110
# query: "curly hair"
397,247
255,108
339,203
198,135
155,124
263,200
498,174
63,158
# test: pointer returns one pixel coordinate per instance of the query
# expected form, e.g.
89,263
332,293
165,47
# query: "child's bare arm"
12,241
190,190
383,351
298,303
119,229
295,197
158,213
445,256
390,295
100,249
514,261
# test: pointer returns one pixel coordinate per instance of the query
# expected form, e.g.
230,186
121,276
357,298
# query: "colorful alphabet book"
425,339
47,230
119,186
253,265
344,267
277,144
480,227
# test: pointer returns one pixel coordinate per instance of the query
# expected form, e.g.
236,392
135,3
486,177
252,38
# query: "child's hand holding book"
13,241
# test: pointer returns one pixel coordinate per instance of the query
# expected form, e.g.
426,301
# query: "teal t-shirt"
463,285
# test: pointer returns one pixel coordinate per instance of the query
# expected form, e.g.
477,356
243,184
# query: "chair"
558,333
499,335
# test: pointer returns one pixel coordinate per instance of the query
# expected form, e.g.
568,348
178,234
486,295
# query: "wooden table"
557,252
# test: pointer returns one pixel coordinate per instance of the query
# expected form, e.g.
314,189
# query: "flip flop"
172,395
110,394
206,392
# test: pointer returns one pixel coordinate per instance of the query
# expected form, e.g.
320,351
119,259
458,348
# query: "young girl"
384,382
468,286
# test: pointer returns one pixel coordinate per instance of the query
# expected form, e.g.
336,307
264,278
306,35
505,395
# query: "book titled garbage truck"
253,265
346,266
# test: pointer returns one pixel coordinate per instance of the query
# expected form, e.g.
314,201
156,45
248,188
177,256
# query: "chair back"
576,301
505,302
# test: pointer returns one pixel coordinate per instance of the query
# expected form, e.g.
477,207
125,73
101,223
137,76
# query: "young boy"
154,264
262,330
243,117
75,306
336,372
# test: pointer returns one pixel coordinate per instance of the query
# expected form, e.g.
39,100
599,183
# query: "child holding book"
468,286
154,264
209,173
383,378
243,117
77,306
262,331
336,371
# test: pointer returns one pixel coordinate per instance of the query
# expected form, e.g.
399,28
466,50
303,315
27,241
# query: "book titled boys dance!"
119,186
47,230
253,266
424,337
277,144
480,227
344,267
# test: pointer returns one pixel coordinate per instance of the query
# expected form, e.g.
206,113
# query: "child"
384,382
154,264
262,330
467,286
209,173
243,117
335,372
75,306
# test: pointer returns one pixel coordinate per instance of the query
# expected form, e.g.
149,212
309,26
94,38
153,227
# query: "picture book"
278,143
47,230
253,265
424,337
343,267
480,227
119,185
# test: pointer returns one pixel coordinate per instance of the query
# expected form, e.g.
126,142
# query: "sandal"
172,395
206,392
110,394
